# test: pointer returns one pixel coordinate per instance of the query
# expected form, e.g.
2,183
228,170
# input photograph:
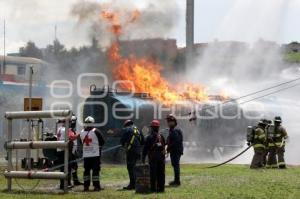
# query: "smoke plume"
157,18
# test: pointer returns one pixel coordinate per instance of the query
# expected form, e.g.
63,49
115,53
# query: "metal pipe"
37,145
34,175
28,152
37,114
66,161
9,153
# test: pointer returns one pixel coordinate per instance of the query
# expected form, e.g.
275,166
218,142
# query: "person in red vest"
92,141
155,150
72,135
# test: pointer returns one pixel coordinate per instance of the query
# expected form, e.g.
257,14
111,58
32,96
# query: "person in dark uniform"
174,147
92,141
155,150
132,140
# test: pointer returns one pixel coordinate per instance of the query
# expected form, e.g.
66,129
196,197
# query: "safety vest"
135,135
61,131
60,134
90,143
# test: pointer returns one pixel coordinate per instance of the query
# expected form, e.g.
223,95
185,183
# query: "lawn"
227,182
292,57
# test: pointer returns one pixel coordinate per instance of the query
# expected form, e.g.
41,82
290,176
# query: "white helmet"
73,118
89,119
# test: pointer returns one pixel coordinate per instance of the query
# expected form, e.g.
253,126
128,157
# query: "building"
291,47
17,69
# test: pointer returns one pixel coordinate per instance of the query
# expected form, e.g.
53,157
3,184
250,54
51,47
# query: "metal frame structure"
11,145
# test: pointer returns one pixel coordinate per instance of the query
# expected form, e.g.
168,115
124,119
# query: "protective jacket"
259,138
132,139
175,141
92,141
154,147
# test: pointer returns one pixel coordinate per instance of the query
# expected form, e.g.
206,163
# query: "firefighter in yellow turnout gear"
258,142
280,136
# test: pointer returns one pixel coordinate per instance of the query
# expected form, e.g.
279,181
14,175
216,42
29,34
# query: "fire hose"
231,159
58,166
80,159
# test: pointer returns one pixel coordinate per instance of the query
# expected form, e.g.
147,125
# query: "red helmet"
155,123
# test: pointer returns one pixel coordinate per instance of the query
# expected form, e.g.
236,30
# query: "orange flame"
145,73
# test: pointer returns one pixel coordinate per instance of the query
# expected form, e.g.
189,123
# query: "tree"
31,50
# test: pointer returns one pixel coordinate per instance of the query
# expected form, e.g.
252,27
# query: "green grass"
228,182
292,57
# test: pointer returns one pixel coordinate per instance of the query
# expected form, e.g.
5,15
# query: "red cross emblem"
87,140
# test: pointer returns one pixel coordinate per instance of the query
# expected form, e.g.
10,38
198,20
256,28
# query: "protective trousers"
257,161
280,154
131,160
91,164
272,159
157,175
175,161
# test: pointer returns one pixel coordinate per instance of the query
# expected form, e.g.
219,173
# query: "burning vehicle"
219,127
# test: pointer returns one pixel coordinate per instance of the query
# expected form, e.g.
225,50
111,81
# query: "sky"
242,20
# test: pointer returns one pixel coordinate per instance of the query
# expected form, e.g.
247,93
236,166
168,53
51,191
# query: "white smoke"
157,18
243,68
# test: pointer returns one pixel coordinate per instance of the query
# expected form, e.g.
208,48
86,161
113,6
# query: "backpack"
250,133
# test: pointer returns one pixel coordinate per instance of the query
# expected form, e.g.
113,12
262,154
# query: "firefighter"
280,137
259,141
271,148
132,140
75,154
265,157
60,134
92,141
155,150
174,147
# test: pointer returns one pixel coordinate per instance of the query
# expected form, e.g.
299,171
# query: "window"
21,70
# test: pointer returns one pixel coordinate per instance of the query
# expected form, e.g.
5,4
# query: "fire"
114,20
144,74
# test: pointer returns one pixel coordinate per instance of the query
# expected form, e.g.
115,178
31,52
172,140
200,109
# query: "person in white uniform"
92,141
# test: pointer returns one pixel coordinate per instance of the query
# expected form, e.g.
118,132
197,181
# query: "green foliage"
31,50
228,182
293,57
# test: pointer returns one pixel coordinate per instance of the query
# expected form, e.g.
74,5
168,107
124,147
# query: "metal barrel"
142,184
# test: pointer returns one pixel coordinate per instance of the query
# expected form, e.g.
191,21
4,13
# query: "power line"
277,91
254,93
263,90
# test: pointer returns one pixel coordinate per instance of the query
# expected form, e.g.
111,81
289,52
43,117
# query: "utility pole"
4,48
55,32
190,12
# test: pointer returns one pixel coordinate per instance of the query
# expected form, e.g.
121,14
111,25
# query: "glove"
248,143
